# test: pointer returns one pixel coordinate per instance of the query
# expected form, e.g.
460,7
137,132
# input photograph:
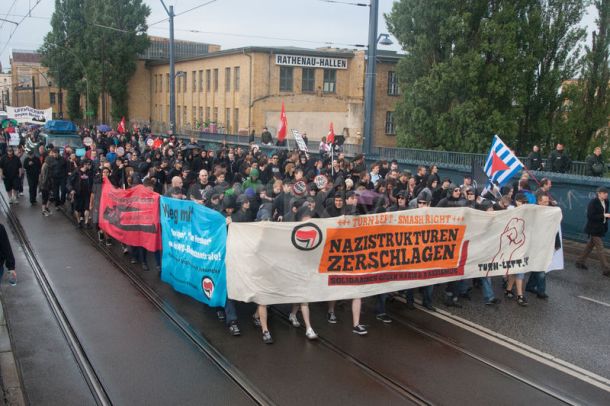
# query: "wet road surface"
143,358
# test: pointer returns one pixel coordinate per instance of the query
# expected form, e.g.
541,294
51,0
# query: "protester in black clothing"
6,256
58,169
32,167
11,170
595,163
559,160
534,159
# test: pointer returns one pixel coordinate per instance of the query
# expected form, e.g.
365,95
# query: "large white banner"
29,114
359,256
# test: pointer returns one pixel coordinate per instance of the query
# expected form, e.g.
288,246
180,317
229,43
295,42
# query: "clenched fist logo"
511,240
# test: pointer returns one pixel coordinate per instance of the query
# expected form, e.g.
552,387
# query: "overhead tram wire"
184,12
347,3
8,13
265,37
17,26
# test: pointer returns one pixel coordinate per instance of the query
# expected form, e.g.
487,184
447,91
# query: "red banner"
131,216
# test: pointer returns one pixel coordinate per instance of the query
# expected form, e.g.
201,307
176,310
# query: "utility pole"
172,68
33,93
369,80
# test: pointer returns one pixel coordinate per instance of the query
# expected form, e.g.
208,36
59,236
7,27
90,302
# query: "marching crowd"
246,183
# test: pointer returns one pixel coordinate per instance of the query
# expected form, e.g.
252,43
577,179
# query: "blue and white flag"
194,249
501,164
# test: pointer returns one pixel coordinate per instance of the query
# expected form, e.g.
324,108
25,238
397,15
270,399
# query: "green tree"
475,68
587,106
100,41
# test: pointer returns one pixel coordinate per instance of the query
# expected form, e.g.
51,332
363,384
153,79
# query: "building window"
184,119
52,98
309,80
228,119
207,113
193,115
178,116
167,82
215,117
285,79
235,121
194,84
330,81
393,89
200,116
227,79
236,75
215,80
389,123
178,84
201,81
184,80
208,81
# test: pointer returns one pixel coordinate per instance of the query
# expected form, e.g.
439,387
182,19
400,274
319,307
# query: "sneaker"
144,267
267,337
234,329
410,305
522,301
20,193
493,301
384,318
580,265
509,294
125,251
256,321
108,243
310,334
332,319
221,315
360,330
429,307
542,296
12,278
293,319
100,236
133,261
46,213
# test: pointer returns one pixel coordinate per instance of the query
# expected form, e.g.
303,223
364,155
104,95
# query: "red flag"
281,132
121,126
497,164
131,216
330,138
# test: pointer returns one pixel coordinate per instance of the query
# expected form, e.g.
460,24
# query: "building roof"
26,56
331,53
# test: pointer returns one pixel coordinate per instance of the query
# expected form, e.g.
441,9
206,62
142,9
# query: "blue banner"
194,248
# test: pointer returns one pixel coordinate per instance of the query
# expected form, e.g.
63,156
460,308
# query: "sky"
228,23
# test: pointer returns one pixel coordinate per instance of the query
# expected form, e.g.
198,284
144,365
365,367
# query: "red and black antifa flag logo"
306,237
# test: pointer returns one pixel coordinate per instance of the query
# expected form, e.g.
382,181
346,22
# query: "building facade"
6,90
240,90
32,85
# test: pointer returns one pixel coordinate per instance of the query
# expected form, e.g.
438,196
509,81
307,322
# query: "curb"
10,383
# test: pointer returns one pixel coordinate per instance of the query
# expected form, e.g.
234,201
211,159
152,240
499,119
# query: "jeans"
537,282
426,294
59,191
488,292
380,303
139,254
230,312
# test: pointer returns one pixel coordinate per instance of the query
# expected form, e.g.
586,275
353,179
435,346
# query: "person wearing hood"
252,181
454,197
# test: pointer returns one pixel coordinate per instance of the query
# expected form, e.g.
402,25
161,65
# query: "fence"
572,191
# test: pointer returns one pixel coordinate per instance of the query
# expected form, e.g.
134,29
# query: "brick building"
240,89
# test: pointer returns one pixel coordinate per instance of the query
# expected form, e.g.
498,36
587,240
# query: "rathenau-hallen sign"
311,61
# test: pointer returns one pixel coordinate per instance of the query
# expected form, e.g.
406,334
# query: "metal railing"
461,160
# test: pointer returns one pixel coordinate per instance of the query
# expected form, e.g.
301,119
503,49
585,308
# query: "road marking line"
594,301
523,349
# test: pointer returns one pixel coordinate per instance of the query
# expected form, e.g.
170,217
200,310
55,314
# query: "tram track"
211,352
88,371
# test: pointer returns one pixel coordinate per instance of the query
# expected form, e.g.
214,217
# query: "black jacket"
6,252
595,165
596,226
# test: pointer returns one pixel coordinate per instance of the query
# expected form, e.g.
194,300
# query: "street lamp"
172,67
371,74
